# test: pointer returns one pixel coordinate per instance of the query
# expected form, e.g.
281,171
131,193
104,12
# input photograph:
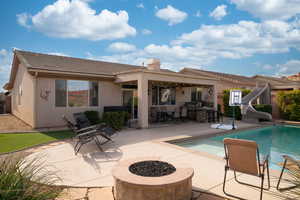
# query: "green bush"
116,119
263,108
93,116
25,180
228,110
295,112
289,105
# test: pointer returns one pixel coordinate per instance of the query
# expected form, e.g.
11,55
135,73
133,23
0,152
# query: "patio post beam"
215,97
143,101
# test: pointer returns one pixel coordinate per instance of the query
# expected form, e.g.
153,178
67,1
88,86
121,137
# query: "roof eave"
58,72
166,73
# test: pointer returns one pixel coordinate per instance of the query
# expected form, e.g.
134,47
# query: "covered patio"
163,91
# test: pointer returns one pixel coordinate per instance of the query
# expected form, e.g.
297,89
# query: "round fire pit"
152,168
152,179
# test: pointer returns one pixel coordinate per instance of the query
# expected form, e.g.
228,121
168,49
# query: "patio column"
143,102
215,97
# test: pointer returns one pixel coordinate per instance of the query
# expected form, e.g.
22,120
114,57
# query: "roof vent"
153,64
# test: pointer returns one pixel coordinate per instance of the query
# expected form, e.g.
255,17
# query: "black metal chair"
102,129
243,156
289,164
83,135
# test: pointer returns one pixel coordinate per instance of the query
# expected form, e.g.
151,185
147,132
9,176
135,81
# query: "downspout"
35,100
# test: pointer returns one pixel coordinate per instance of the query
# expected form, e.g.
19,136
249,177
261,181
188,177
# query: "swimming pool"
273,140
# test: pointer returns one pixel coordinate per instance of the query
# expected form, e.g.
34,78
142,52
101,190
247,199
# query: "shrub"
228,110
219,108
263,108
295,112
25,180
116,119
93,116
289,104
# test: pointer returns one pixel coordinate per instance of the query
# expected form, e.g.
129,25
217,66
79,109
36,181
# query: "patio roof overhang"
142,77
162,76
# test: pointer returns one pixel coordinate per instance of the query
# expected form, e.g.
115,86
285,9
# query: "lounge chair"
102,129
83,135
243,156
290,164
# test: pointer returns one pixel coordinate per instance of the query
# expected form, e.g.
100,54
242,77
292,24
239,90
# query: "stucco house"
45,87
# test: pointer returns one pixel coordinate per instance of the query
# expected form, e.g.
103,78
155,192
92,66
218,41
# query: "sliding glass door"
130,101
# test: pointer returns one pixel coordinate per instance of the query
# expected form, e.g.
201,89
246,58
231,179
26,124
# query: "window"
163,96
60,93
196,94
75,93
78,93
94,93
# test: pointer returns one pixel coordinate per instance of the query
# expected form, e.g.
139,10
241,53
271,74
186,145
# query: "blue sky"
233,36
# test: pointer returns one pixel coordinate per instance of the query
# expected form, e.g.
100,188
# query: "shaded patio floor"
93,168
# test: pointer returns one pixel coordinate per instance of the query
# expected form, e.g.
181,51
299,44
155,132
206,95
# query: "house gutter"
31,69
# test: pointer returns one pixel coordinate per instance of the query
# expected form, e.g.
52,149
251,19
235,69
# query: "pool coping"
171,142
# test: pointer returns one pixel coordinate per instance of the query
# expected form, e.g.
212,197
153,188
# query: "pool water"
275,141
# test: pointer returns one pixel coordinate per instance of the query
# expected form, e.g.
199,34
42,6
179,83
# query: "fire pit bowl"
152,179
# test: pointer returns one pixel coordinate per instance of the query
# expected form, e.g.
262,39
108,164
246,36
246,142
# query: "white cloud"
22,19
171,14
146,32
270,9
219,12
204,45
133,58
5,65
243,39
289,68
140,5
198,14
267,67
121,47
76,19
58,54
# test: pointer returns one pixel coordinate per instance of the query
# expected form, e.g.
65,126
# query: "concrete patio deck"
91,168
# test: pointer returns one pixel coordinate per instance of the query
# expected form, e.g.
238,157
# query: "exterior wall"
275,108
48,115
183,95
22,106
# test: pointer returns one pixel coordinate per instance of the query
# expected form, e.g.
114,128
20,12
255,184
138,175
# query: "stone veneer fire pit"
152,179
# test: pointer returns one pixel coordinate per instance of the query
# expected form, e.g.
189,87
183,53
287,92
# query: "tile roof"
222,76
274,80
70,64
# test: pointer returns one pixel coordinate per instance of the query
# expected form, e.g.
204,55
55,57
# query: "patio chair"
290,164
83,136
243,156
102,129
